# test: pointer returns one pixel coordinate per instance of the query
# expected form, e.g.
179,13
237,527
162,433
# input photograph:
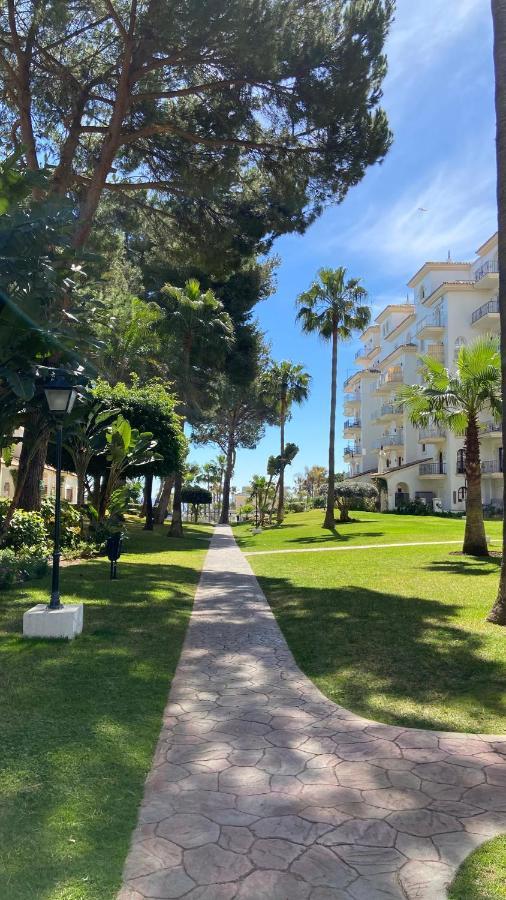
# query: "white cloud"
460,214
422,31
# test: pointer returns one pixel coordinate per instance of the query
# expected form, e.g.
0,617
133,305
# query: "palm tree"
288,383
498,612
455,400
199,330
333,308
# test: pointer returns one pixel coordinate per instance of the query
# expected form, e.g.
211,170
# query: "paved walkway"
263,788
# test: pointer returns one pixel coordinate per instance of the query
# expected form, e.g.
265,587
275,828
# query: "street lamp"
60,396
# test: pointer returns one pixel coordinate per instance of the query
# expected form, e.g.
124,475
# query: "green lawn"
397,634
79,721
300,530
482,876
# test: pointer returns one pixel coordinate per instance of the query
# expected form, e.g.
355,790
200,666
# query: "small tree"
350,493
127,448
196,496
455,400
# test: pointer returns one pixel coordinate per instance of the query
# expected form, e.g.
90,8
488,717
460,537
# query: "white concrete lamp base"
40,622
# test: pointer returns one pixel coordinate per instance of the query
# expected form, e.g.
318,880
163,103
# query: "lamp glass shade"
60,399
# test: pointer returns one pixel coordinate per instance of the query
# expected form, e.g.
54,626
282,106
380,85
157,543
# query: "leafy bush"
319,502
4,506
418,508
70,533
16,568
27,532
353,495
295,506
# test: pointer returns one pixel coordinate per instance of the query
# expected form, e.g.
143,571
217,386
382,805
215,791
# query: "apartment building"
450,304
48,487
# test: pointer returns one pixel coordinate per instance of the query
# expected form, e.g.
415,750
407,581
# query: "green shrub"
18,567
70,533
319,502
27,532
295,506
4,506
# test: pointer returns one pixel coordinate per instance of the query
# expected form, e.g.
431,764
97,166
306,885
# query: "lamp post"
60,396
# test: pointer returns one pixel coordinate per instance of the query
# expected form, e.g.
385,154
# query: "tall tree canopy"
195,98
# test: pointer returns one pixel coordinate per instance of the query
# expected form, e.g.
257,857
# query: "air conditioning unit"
437,505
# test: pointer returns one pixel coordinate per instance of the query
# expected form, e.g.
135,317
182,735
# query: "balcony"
436,351
491,467
492,429
353,450
365,353
387,411
389,380
431,435
431,327
351,426
432,470
486,314
488,273
389,441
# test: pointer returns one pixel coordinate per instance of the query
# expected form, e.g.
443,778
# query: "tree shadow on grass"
79,725
365,644
478,566
336,537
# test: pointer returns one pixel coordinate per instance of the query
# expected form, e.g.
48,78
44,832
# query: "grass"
300,530
80,720
482,875
398,635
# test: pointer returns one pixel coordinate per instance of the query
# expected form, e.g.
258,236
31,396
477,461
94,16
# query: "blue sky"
439,96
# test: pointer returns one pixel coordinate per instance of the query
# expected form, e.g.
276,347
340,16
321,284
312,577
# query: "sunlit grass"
80,720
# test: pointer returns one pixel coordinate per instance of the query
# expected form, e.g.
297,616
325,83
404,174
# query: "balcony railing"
353,450
427,433
352,423
436,351
388,409
393,377
488,268
434,321
432,468
353,398
491,466
389,440
491,307
492,428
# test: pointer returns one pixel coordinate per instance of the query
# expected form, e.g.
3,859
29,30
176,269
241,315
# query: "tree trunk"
148,501
281,480
95,494
164,500
475,541
32,461
176,525
329,521
227,478
498,612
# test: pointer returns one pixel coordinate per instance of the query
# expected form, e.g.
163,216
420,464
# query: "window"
461,462
423,448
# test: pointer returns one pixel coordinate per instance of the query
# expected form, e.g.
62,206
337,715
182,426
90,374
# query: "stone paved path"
263,788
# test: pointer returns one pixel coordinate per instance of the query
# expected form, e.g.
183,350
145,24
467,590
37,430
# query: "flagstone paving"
263,788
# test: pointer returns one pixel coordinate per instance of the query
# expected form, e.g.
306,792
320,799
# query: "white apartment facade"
48,486
451,304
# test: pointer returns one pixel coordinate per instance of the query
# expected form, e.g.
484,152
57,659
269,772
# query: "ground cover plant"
80,720
395,634
482,875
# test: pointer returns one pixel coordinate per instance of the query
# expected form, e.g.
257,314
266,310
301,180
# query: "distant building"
451,304
48,488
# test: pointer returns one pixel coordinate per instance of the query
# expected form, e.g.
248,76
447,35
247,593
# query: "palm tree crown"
455,399
331,303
